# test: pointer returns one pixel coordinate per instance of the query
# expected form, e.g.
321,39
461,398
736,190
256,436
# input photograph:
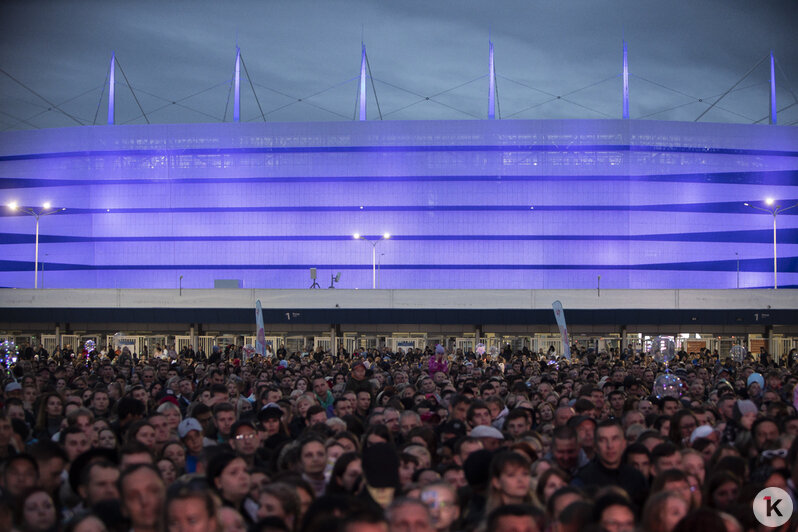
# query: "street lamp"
37,213
373,242
774,210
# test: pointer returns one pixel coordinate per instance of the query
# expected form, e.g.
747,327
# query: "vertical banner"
260,341
559,315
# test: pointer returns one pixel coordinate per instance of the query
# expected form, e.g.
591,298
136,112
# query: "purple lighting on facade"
111,87
625,83
644,204
363,82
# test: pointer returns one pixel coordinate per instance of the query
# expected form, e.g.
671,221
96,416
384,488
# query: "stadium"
447,229
491,207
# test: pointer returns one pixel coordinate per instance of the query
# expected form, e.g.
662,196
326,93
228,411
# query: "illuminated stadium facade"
488,204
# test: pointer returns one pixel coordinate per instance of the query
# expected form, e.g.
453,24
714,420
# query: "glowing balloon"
480,349
737,353
9,353
668,385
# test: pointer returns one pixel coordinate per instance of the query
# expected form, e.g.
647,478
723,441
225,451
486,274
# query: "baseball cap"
578,420
756,377
13,387
187,425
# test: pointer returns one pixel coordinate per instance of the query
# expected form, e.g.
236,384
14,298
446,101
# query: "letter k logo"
773,507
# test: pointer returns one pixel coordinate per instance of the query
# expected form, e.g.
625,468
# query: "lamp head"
386,236
746,204
47,205
356,236
13,205
769,201
338,277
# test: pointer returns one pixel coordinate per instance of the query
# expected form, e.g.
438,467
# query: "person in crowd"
228,475
608,469
429,438
141,492
35,512
190,509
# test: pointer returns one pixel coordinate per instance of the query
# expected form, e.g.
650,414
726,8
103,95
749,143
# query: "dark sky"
183,52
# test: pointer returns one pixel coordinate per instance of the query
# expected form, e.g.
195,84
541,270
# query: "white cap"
704,431
484,431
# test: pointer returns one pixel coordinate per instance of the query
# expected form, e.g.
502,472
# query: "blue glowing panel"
469,204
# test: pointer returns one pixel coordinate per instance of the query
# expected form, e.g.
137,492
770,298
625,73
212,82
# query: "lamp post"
46,209
774,210
373,242
738,268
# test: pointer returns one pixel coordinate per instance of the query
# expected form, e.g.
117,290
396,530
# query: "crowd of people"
382,441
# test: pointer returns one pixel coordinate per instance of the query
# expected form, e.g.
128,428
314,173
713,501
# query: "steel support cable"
560,98
7,124
778,111
421,97
289,104
170,102
397,87
42,97
496,87
590,85
405,107
525,109
511,80
45,110
251,86
731,88
376,100
276,91
667,110
336,113
132,91
735,113
586,107
178,102
100,101
786,80
694,98
433,101
456,109
431,97
663,86
18,120
563,97
304,99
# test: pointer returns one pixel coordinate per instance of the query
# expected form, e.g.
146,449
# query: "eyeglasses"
775,453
